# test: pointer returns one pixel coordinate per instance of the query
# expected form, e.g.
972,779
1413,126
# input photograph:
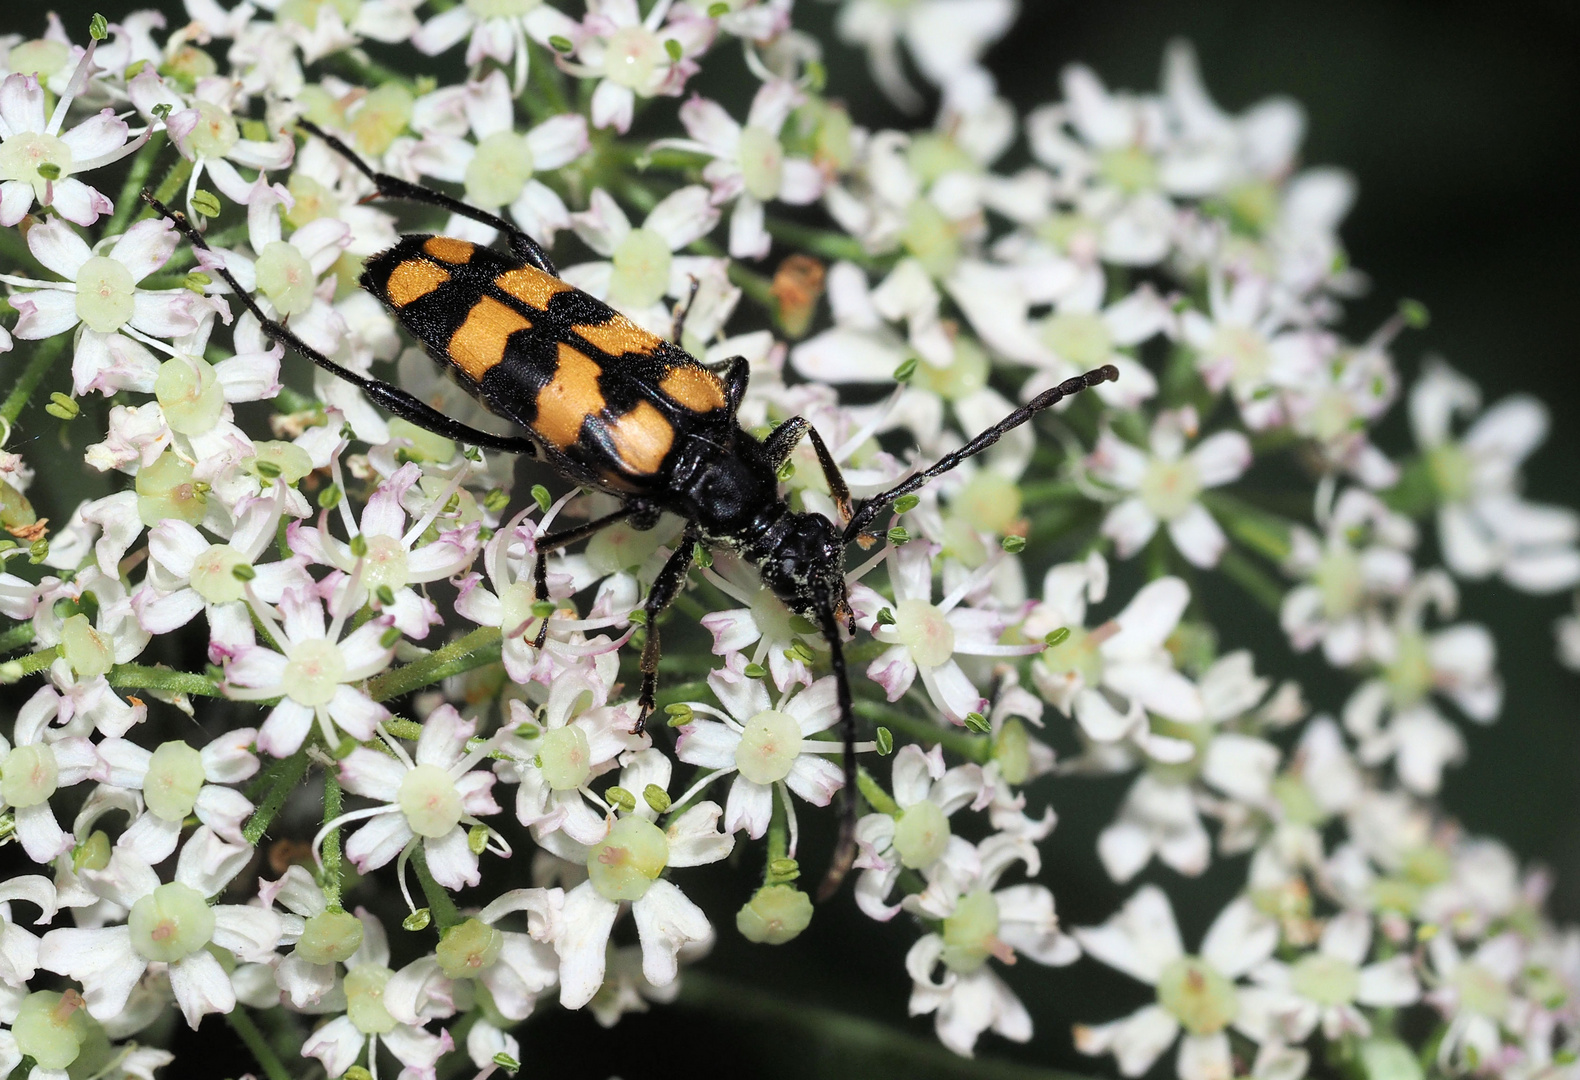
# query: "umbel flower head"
296,811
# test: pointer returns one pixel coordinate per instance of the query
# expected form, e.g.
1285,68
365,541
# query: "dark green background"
1459,121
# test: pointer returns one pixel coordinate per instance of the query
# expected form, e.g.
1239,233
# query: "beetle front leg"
665,588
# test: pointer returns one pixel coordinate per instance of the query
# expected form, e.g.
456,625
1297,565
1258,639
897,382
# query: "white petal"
1240,938
667,921
582,943
1140,940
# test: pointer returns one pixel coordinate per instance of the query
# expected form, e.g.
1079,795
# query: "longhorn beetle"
614,407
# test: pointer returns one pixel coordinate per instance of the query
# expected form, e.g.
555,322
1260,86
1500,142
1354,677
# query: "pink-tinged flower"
1361,558
766,745
1105,148
382,560
177,781
321,936
1347,392
749,165
497,169
367,1024
188,574
1111,676
554,757
1320,781
37,162
509,559
1330,985
206,133
642,267
1483,524
89,649
1161,813
1164,485
783,639
949,972
315,674
37,763
101,292
626,866
1081,333
630,56
1394,714
171,925
1476,995
513,967
433,800
1197,992
285,274
1243,345
924,637
915,838
497,29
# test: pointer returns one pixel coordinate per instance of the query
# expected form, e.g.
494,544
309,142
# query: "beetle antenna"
1048,398
845,846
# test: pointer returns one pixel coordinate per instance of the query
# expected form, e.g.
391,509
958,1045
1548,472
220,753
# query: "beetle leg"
565,537
393,187
390,397
684,310
782,441
662,593
540,593
734,373
836,479
845,846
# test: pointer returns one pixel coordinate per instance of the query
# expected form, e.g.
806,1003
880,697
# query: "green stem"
440,906
778,842
873,792
757,286
863,1047
243,1026
16,637
331,857
1265,533
830,245
280,788
38,365
136,179
365,70
477,649
978,748
163,679
547,96
173,181
1253,579
38,661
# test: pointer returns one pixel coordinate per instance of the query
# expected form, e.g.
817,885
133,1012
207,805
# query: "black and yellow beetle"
617,408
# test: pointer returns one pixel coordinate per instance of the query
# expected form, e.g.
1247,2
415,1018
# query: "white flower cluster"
339,565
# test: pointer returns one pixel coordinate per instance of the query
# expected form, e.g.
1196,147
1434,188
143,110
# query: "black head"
805,567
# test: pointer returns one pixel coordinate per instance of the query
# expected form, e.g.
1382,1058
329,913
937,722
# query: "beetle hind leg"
664,589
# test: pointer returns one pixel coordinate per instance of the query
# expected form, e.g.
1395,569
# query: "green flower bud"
330,937
774,915
469,949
